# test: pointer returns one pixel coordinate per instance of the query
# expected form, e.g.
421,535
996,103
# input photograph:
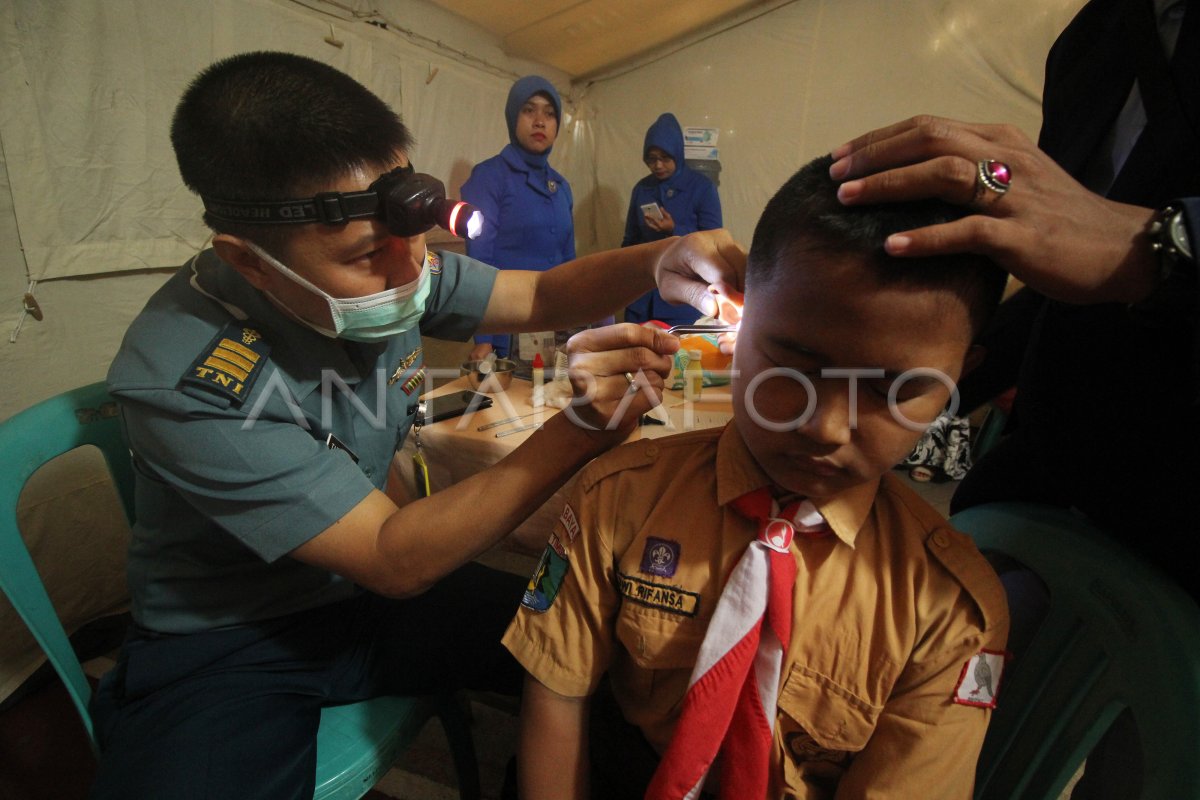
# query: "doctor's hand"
698,268
617,373
1047,230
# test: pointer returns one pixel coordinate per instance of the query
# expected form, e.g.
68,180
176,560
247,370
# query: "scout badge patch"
660,557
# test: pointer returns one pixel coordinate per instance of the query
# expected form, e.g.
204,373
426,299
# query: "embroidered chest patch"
659,595
660,557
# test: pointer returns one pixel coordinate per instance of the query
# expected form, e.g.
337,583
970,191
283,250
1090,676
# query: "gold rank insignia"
227,367
404,365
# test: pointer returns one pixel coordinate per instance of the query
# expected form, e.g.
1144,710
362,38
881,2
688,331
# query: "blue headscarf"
521,91
666,135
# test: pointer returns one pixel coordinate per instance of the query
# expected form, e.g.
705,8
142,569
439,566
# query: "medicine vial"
693,376
538,374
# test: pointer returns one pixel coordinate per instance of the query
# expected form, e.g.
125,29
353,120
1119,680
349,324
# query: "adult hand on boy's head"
601,362
1047,230
697,262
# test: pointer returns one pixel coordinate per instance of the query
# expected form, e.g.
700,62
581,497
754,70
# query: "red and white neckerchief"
730,703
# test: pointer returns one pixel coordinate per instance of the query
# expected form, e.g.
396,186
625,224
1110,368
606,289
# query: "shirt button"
941,539
368,471
652,451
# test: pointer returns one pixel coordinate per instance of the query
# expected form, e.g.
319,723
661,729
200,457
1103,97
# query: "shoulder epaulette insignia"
228,366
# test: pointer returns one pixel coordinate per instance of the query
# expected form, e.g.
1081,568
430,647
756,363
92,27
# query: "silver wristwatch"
1169,239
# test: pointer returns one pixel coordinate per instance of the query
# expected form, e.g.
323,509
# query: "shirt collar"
738,473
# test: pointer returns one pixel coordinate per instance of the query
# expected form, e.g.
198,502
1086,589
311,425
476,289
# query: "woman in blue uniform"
686,201
526,203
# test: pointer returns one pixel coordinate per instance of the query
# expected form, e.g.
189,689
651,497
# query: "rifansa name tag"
979,682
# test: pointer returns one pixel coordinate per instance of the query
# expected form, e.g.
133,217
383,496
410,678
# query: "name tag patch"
979,682
659,595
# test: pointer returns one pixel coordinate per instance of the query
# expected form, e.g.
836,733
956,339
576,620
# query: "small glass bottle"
538,372
524,346
693,376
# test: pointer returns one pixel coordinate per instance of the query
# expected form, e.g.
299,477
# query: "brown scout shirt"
887,613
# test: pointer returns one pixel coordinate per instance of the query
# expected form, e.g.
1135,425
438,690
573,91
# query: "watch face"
1179,235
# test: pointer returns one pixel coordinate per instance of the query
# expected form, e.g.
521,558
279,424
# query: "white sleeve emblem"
979,682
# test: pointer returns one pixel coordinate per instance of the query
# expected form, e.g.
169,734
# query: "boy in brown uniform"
889,652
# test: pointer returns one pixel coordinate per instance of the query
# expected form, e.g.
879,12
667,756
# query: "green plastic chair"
1117,636
356,743
991,430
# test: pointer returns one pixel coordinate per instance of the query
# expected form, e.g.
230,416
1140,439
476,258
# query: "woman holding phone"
671,201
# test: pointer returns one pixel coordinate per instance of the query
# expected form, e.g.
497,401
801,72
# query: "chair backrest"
83,416
1117,636
356,743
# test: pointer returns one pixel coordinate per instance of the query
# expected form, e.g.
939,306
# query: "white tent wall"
790,82
91,205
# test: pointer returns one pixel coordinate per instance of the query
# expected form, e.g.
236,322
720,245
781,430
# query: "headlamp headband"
408,202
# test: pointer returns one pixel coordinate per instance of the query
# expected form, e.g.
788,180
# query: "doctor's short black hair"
805,221
278,126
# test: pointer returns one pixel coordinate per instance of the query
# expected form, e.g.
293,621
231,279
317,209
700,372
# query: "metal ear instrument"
687,330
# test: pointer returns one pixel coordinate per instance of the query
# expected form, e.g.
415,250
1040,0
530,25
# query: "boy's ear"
234,252
973,359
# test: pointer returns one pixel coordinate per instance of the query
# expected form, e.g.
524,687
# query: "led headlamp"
408,202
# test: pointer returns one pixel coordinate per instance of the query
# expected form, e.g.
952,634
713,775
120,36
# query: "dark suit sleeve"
708,211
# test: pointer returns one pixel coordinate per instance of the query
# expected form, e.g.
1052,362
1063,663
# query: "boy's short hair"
806,218
277,126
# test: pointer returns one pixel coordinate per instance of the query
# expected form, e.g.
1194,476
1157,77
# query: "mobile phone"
451,405
652,210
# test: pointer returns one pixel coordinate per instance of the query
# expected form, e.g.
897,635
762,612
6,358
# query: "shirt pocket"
822,724
661,650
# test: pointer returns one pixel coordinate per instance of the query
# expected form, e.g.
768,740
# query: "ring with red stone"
992,180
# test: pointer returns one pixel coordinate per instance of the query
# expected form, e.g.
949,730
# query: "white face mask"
368,318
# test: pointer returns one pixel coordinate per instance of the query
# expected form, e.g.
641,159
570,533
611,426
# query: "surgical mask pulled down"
368,318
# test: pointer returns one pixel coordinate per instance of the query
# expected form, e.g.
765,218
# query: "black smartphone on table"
448,406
